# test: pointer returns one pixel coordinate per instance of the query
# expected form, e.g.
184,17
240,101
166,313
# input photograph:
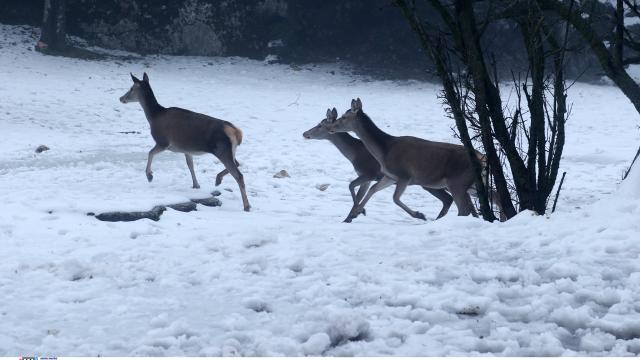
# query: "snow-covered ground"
289,278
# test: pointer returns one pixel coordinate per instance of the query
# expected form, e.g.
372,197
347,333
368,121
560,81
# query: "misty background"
371,36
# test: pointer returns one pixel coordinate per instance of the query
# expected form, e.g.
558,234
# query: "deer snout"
305,135
123,100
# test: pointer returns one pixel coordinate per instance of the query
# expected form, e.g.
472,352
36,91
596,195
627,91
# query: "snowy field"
289,278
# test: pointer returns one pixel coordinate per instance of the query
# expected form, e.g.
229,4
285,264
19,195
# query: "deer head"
348,120
320,131
136,93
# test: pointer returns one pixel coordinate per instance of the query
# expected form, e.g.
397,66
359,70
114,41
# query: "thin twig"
295,102
631,166
555,201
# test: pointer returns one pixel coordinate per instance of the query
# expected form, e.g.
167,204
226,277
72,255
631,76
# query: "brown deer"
188,132
407,160
365,165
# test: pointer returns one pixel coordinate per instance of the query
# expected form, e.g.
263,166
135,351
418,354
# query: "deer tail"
485,167
239,135
233,133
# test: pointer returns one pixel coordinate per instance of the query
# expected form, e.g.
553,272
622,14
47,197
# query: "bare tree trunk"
437,52
53,36
618,41
612,62
479,103
556,143
531,29
614,69
489,108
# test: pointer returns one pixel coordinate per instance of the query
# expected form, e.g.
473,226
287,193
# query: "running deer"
365,165
407,160
188,132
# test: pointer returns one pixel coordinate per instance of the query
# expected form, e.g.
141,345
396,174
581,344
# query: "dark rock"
184,207
41,148
211,201
153,214
281,174
469,311
215,193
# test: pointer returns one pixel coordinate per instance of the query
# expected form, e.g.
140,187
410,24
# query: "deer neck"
345,143
150,105
375,140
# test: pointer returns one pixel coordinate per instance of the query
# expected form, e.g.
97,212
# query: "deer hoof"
196,186
350,217
247,208
150,176
419,215
218,181
363,212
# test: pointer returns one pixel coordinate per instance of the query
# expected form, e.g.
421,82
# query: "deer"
188,132
364,164
408,160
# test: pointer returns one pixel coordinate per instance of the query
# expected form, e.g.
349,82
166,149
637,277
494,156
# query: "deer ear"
359,104
145,78
353,105
334,113
328,113
135,79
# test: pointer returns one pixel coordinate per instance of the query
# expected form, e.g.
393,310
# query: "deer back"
190,132
427,162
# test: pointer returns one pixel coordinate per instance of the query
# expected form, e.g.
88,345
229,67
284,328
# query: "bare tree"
531,138
614,53
53,35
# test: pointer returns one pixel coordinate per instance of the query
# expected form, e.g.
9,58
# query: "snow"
289,278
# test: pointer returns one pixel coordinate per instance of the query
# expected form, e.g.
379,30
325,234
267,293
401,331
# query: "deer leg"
442,195
352,190
463,202
223,173
495,197
153,152
401,186
383,183
474,212
359,181
193,173
231,165
362,191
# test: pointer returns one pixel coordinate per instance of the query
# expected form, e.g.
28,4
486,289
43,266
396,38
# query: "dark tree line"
53,36
371,35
